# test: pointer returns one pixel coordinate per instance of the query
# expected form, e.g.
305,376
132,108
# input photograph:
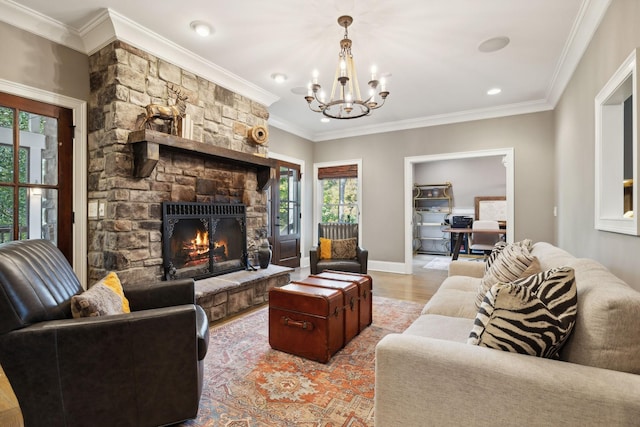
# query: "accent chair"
338,234
142,368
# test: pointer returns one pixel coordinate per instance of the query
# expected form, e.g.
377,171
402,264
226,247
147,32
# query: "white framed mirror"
616,168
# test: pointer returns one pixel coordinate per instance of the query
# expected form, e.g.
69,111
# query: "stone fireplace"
133,171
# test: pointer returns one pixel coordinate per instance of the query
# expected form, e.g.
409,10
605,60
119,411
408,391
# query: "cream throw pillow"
512,263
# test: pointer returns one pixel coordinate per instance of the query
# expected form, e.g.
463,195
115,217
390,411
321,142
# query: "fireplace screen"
203,239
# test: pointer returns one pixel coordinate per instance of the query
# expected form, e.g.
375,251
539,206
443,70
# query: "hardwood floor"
10,415
418,287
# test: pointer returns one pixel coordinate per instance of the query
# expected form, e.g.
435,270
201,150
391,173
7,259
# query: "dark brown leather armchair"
142,368
338,231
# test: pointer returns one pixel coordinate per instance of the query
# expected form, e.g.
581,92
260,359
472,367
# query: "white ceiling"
430,48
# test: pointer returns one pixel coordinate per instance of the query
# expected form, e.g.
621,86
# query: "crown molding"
109,26
436,120
586,23
287,126
36,23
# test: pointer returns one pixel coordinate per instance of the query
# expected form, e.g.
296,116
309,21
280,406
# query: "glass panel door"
285,205
289,209
32,182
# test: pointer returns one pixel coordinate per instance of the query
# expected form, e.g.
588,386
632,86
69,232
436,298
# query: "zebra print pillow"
512,263
534,315
499,246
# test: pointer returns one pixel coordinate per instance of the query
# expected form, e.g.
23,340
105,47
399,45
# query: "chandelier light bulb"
374,70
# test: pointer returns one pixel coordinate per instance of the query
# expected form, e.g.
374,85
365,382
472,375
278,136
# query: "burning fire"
197,250
202,239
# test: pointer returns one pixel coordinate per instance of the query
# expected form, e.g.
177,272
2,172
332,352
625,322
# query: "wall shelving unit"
432,203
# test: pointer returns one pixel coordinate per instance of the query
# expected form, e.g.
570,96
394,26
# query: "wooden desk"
457,233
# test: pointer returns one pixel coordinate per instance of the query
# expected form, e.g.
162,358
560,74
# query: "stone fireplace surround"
128,238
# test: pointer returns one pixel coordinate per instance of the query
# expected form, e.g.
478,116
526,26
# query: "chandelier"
345,101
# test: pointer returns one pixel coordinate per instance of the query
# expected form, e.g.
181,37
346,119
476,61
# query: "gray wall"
617,36
36,62
531,136
480,176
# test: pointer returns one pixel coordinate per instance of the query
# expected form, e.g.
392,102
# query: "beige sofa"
430,376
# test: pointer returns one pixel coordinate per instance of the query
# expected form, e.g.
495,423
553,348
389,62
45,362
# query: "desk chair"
481,241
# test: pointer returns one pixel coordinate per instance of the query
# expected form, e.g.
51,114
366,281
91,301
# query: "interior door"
285,213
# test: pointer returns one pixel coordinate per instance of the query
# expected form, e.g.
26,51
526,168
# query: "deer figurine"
168,113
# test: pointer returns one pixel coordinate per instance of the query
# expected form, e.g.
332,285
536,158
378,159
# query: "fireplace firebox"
203,239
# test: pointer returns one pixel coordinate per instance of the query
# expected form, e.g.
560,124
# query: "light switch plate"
101,208
92,210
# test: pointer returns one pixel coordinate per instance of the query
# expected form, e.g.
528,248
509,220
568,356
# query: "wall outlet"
101,208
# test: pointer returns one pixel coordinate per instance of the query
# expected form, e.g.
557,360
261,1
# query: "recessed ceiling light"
494,44
494,91
279,77
325,120
202,28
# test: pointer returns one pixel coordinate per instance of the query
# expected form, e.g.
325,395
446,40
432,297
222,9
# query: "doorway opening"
507,156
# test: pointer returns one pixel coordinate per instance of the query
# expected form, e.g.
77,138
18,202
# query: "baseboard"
388,267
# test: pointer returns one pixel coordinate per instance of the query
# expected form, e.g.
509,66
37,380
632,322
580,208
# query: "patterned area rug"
248,384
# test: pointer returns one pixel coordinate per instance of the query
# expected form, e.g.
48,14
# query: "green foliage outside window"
6,169
340,200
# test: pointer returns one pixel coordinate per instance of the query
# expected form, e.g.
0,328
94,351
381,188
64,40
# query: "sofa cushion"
606,331
441,327
533,315
99,300
513,262
454,298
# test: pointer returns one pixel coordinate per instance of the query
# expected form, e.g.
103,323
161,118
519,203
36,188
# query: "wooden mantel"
146,149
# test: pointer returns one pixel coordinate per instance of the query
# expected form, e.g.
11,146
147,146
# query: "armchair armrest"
144,296
93,365
313,260
363,258
426,381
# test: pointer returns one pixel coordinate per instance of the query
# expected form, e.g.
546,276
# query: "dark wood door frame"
285,248
64,186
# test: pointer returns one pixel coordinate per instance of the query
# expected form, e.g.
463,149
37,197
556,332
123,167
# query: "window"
339,189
